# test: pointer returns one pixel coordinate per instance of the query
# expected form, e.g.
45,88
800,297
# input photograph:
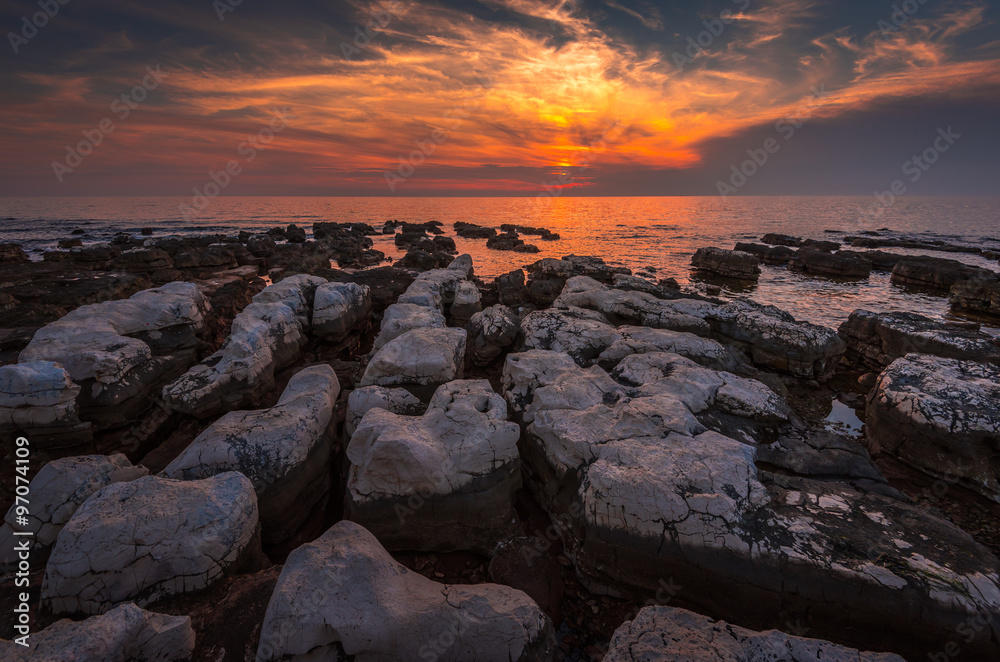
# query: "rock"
779,255
442,481
294,234
12,254
644,340
507,241
385,284
285,451
939,416
582,334
776,239
267,336
548,275
402,317
38,398
339,309
70,243
57,490
473,231
815,244
757,250
445,244
146,232
491,332
215,256
124,633
395,400
668,634
545,234
874,340
777,341
261,245
641,491
421,260
936,273
728,264
421,357
143,259
511,288
343,595
664,289
823,263
150,538
467,302
980,296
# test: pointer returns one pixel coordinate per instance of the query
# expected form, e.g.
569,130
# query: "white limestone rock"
343,595
468,302
580,333
422,357
643,340
124,633
148,539
56,491
37,394
491,332
284,450
396,400
339,309
402,317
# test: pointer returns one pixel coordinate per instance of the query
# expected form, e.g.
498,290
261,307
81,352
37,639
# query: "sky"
499,97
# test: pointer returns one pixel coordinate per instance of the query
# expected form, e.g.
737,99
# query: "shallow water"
661,233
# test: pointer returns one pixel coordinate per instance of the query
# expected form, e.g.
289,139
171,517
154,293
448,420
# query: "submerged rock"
150,538
667,634
441,481
941,417
285,451
343,595
124,633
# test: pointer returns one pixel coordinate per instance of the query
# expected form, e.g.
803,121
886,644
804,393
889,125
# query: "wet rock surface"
728,264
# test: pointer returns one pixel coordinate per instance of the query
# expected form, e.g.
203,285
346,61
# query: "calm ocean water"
660,232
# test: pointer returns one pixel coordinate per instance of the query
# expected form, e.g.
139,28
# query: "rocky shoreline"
243,452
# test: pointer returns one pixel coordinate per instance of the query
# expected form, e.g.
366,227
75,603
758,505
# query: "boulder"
267,336
549,275
473,231
980,296
939,416
294,234
820,245
124,633
261,245
776,239
645,340
467,302
56,491
874,340
835,265
38,398
668,634
728,264
442,481
511,288
339,309
148,539
778,255
583,334
936,273
343,597
284,450
12,253
421,357
757,250
395,400
491,332
402,317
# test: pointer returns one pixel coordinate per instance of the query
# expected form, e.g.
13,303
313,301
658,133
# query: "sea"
642,233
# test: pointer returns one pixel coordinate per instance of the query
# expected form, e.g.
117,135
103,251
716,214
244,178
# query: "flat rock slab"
421,357
343,595
148,539
56,491
124,633
940,416
667,634
441,481
284,450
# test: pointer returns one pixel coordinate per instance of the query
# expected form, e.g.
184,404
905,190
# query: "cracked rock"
396,400
421,357
343,595
339,309
491,332
148,539
284,450
441,481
